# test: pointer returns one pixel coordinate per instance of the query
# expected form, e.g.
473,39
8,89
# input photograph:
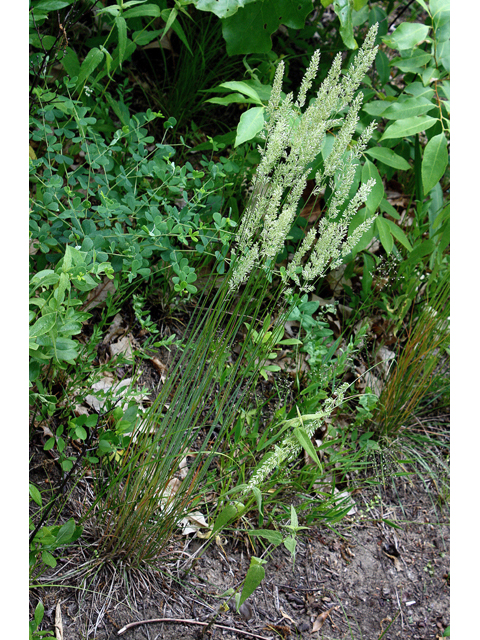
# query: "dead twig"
184,621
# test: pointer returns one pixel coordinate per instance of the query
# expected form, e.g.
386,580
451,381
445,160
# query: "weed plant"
198,404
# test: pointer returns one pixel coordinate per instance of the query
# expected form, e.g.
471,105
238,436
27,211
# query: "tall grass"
415,373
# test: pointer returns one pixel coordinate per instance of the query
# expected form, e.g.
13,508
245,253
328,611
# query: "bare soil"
376,581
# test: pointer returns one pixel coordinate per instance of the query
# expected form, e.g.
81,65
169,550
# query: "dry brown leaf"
99,294
115,329
123,346
321,618
160,367
58,622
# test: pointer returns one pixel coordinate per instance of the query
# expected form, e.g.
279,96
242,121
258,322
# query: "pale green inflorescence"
294,140
290,447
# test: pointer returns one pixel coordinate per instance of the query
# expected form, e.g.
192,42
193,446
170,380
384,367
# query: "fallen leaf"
58,623
99,294
320,620
115,329
123,346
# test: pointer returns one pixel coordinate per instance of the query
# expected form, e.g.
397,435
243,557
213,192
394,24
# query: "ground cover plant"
220,315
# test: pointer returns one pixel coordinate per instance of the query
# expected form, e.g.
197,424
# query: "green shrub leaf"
43,325
386,237
254,577
408,127
388,157
406,35
434,163
251,123
91,62
369,170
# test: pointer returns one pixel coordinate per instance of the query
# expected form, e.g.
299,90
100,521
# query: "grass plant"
198,405
415,372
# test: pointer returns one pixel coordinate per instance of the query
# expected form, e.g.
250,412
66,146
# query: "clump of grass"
415,373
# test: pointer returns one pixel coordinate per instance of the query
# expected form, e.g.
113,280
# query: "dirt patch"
372,577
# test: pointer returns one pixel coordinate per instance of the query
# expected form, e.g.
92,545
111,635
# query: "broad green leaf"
303,439
376,107
144,11
122,38
388,157
244,88
35,494
343,9
255,575
274,537
435,161
413,64
221,8
51,5
418,90
251,123
65,532
369,170
43,325
408,108
398,233
227,514
406,35
91,62
39,611
232,98
251,28
71,63
438,7
49,559
290,544
359,4
408,127
383,67
387,208
384,234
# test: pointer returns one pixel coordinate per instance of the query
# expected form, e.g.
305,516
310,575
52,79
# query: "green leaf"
418,90
244,88
122,38
254,577
369,170
251,28
343,9
232,98
39,611
406,35
251,123
227,514
414,63
376,107
49,559
35,494
91,62
408,127
408,108
221,8
388,157
290,544
384,234
144,11
273,537
383,67
303,439
43,325
65,532
398,233
51,5
435,161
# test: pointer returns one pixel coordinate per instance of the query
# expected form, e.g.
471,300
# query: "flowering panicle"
293,140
